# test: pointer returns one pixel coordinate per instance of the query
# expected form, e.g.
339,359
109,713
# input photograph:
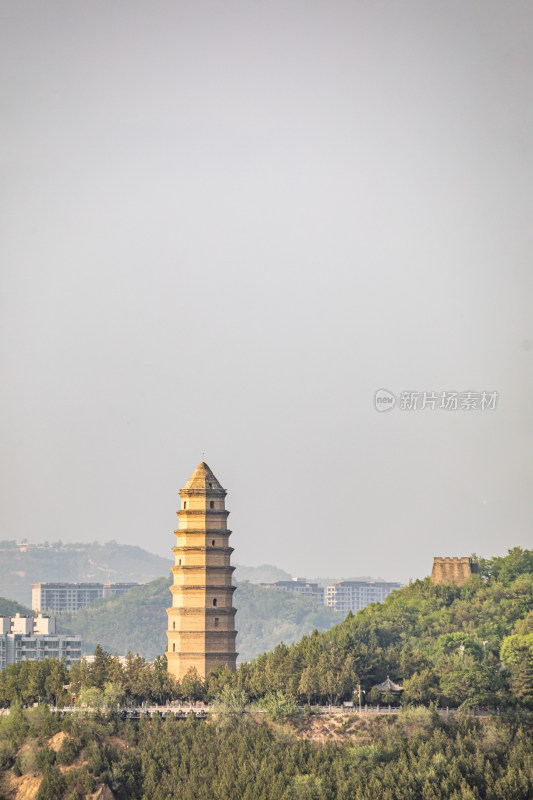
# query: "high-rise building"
34,639
59,597
201,621
346,596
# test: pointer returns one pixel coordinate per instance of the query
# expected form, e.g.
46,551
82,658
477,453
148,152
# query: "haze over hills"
262,574
137,621
24,563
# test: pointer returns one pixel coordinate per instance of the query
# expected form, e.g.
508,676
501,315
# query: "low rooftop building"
34,639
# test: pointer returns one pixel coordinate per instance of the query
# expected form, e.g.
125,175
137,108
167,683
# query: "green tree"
522,675
192,686
422,687
91,699
506,569
309,684
460,642
99,667
137,677
55,682
330,678
471,686
32,677
52,784
513,647
305,787
162,686
115,672
79,677
374,696
279,706
218,678
9,685
231,703
113,696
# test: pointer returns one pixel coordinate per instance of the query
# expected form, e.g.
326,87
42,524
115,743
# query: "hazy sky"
224,226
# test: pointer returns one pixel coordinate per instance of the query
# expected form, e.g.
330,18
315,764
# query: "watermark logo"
437,401
384,400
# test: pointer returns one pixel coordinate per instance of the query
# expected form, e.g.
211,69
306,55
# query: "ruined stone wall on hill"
452,570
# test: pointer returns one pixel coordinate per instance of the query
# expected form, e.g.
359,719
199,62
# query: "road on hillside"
201,711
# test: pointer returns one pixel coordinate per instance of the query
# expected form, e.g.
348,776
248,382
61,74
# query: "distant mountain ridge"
262,574
137,621
22,564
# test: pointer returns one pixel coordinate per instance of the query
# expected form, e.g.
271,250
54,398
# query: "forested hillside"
442,643
8,608
238,757
470,646
137,621
457,646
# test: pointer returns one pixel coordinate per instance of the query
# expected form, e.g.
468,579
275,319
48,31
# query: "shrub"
29,761
68,751
45,758
279,706
7,752
418,721
52,785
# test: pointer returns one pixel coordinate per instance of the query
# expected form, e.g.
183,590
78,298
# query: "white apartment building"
34,639
59,597
345,596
